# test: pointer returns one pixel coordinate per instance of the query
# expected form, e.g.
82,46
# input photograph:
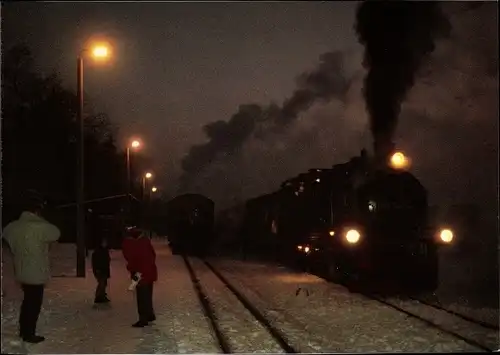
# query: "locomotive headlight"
399,161
352,236
446,235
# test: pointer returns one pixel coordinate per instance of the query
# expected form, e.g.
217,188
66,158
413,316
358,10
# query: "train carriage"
190,224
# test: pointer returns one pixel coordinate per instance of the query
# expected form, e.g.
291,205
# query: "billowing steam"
397,36
452,107
324,83
225,138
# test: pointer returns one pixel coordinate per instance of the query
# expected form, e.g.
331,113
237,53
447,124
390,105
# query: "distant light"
100,51
318,180
332,233
135,144
352,236
399,161
154,189
446,235
148,175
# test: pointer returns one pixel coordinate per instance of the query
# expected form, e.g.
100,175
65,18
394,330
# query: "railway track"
483,336
457,314
221,301
479,335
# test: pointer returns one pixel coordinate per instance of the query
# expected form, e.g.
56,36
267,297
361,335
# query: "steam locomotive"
190,224
354,223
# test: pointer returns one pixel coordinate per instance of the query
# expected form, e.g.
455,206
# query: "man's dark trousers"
144,295
30,309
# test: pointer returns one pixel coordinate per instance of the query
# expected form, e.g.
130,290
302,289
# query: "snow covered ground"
328,319
331,318
71,325
233,317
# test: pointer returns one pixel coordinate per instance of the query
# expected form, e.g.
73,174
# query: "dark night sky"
178,66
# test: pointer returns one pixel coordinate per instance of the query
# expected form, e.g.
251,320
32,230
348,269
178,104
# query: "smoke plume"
397,36
226,138
325,82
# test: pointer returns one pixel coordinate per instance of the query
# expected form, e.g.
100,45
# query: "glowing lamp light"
352,236
332,233
100,52
154,189
148,175
135,144
446,235
399,161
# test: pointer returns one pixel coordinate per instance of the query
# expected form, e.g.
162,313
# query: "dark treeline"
39,131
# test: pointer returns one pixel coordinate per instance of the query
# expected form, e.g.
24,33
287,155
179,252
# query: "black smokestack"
397,36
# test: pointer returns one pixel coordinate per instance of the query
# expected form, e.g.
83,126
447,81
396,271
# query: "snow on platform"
322,317
71,325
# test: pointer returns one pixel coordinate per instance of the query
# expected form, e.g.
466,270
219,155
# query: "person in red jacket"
140,256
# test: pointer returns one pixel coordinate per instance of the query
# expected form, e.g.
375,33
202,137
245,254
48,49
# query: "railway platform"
221,305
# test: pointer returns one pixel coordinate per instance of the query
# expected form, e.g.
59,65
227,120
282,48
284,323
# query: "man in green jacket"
29,238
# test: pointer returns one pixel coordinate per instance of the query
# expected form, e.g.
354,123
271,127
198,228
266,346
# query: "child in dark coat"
101,269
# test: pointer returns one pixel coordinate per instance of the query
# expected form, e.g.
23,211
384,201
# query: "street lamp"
154,189
100,51
97,52
135,145
146,176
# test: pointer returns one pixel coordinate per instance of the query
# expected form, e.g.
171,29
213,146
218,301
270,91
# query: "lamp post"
134,144
98,52
153,190
146,177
